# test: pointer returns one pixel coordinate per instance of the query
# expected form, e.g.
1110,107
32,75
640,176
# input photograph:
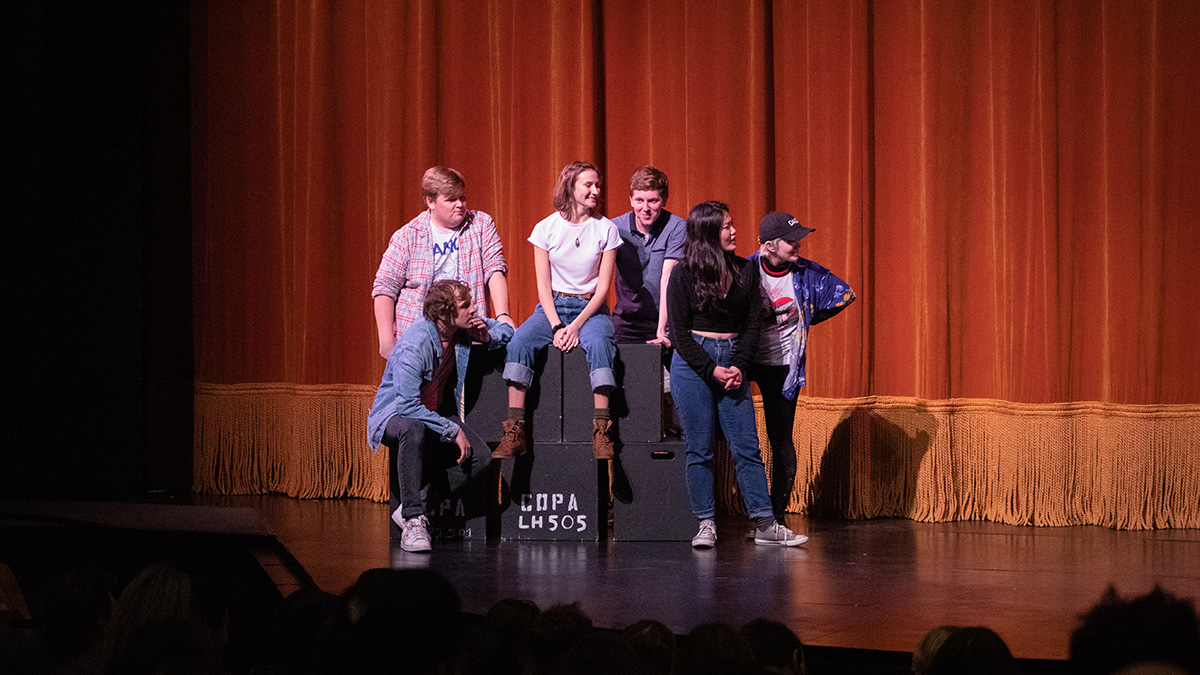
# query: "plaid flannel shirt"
406,270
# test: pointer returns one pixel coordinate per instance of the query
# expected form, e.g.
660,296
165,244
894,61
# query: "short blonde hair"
442,180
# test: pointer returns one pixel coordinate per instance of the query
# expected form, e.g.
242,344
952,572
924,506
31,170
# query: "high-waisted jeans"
701,406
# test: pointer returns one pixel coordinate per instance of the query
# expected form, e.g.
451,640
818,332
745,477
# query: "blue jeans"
701,405
596,338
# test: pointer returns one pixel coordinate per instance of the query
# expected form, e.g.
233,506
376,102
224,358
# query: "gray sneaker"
415,538
778,535
707,536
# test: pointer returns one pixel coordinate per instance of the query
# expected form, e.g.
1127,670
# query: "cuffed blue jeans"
427,467
596,338
701,407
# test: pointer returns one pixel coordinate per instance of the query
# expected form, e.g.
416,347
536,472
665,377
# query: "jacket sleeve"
500,333
831,295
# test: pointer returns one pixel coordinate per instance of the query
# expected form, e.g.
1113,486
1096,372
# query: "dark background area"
98,254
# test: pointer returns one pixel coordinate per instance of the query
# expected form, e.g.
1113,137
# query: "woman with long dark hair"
714,310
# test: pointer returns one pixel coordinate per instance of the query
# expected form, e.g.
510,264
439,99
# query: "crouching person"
418,412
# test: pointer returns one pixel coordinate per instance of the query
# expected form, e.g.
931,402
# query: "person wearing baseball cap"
798,294
713,309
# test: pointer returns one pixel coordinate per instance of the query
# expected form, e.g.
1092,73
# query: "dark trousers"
427,467
780,420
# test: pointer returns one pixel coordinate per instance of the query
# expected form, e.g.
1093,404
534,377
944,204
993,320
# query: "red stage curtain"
1009,185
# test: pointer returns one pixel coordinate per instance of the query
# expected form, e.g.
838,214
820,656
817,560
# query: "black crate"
552,493
650,498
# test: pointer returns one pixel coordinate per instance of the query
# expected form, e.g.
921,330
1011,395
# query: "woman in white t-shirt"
574,254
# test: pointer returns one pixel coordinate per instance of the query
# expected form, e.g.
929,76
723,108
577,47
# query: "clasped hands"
730,378
567,337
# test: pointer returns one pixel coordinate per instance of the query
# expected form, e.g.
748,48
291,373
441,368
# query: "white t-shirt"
445,253
777,341
575,250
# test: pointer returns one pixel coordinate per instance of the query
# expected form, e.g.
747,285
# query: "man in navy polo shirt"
652,244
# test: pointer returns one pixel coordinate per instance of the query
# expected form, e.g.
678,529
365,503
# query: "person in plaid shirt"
447,241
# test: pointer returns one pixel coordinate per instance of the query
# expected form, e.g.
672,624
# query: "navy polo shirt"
639,271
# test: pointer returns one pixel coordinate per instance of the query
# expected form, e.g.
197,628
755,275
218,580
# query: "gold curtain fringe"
1079,463
305,441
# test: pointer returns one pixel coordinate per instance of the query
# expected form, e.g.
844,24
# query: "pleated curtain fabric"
1008,185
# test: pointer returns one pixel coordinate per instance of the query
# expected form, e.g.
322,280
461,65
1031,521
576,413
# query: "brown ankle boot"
602,440
512,443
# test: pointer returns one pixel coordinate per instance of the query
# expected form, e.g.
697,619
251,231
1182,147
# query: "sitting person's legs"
531,336
596,338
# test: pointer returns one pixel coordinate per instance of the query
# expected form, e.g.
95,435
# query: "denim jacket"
412,362
820,294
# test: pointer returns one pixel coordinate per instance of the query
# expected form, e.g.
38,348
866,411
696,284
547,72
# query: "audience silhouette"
776,648
973,650
922,657
390,622
1155,632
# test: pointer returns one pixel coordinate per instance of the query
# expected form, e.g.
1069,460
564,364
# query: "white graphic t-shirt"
445,253
777,342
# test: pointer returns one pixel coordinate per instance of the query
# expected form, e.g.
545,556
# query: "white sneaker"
415,538
778,535
707,536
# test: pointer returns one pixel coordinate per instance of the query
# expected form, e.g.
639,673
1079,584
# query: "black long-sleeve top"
738,312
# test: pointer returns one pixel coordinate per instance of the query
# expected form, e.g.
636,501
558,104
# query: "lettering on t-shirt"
445,254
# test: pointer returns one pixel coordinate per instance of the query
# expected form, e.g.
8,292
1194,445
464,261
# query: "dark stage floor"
876,585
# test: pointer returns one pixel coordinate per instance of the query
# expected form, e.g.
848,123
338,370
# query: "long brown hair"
564,191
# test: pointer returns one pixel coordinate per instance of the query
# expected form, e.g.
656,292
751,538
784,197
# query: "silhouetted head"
1117,633
974,650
